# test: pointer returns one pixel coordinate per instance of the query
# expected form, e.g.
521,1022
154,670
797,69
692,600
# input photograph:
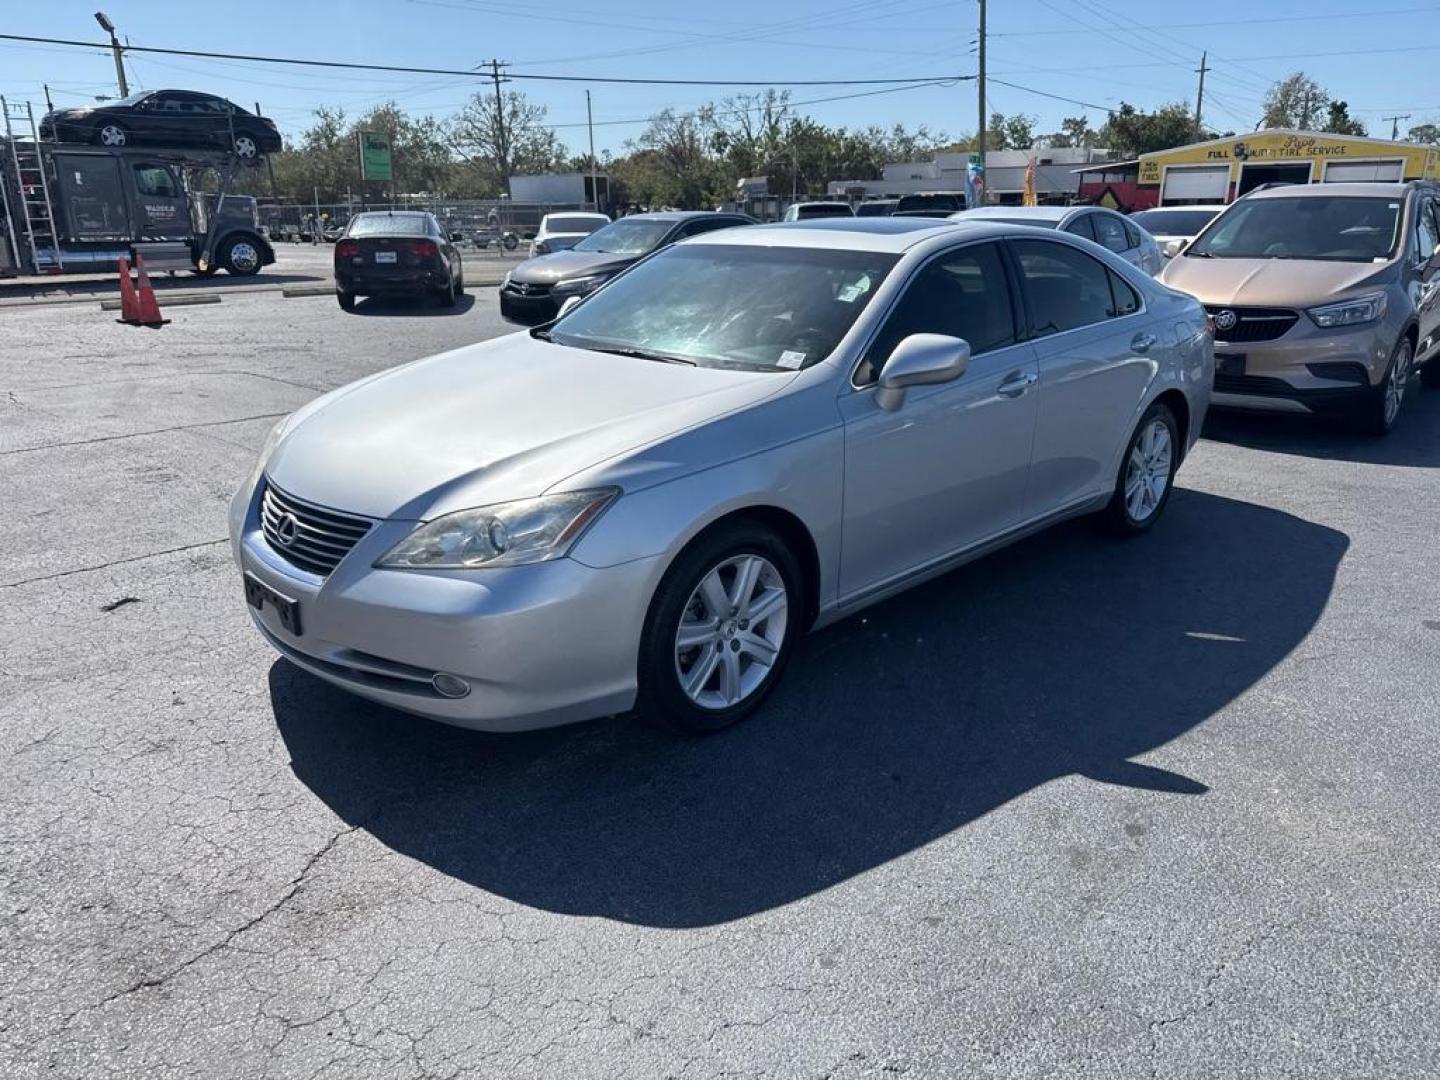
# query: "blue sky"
1380,57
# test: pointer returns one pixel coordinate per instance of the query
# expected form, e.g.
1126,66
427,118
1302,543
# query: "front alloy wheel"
721,628
246,148
111,135
731,632
1385,400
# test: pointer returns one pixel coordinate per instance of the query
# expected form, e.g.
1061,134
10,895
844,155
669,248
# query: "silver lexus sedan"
747,435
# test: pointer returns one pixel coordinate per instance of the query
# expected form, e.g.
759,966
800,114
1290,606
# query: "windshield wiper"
640,354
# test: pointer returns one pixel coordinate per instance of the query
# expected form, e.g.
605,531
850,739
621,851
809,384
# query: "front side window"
963,294
1335,228
733,306
1426,238
1067,289
156,183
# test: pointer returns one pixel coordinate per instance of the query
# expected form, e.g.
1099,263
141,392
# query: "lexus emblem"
285,530
1226,320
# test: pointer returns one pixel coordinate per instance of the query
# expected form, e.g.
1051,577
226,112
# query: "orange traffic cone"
149,306
129,303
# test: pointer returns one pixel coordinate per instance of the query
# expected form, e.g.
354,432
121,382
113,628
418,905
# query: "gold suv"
1324,297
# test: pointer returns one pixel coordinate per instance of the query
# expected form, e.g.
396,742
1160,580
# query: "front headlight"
507,534
1349,312
579,286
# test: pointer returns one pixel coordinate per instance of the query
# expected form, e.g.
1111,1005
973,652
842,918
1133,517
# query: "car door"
161,120
1426,266
162,210
1091,334
947,469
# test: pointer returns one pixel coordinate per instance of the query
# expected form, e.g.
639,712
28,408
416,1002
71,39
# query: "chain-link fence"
481,222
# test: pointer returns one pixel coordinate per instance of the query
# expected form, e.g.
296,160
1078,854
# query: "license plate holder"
384,256
287,610
1229,363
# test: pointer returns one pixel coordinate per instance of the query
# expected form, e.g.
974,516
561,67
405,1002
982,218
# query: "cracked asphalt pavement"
1163,808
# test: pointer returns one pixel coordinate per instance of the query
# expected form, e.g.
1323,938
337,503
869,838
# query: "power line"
1230,22
352,66
1056,97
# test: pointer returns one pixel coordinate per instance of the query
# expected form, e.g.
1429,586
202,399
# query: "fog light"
451,686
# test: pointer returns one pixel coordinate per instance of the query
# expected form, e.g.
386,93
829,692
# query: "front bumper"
1307,370
538,645
528,310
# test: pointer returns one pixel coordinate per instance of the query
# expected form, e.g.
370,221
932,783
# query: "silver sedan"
745,436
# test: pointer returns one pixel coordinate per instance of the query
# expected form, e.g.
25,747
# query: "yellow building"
1224,169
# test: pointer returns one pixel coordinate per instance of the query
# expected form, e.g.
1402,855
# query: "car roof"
392,213
1040,213
1188,206
823,202
577,213
896,235
1344,190
677,215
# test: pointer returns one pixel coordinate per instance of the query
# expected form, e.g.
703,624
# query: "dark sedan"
397,254
534,290
166,118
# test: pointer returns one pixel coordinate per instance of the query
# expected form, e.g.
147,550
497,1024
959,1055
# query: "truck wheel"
111,134
241,257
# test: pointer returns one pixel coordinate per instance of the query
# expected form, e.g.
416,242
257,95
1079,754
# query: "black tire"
240,256
1430,374
103,137
460,282
1377,418
661,695
1119,518
449,295
346,300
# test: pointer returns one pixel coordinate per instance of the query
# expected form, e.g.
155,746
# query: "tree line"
694,159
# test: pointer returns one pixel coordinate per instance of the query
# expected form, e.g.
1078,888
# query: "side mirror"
1173,248
567,304
920,360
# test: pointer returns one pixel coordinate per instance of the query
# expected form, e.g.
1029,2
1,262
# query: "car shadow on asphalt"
1066,654
1415,441
411,306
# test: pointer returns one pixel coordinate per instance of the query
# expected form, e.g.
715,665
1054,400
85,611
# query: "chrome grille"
310,537
525,288
1254,324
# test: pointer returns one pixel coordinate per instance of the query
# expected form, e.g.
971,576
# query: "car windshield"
574,223
388,225
874,209
1174,222
815,210
715,305
626,237
1327,227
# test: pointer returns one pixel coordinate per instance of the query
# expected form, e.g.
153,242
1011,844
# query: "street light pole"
109,28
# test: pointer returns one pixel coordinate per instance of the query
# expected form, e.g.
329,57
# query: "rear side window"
1066,288
1081,227
1110,232
1132,234
1126,299
964,294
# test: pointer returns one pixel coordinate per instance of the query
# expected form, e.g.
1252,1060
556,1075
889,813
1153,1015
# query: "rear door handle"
1017,383
1141,343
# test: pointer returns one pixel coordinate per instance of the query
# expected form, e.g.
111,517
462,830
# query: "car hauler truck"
70,208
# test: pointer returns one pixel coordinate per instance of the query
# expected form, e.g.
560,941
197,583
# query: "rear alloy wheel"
1147,474
111,134
721,629
1382,408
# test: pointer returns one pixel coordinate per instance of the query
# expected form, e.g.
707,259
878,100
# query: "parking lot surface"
1159,808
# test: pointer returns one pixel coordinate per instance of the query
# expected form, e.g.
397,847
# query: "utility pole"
1200,98
594,174
49,105
502,144
980,91
109,28
1395,124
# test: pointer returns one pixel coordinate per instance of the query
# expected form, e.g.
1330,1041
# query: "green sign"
375,156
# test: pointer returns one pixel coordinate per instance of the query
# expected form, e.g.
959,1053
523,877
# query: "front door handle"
1141,343
1017,383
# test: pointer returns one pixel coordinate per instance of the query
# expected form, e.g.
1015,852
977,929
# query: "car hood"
506,419
1266,282
548,269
